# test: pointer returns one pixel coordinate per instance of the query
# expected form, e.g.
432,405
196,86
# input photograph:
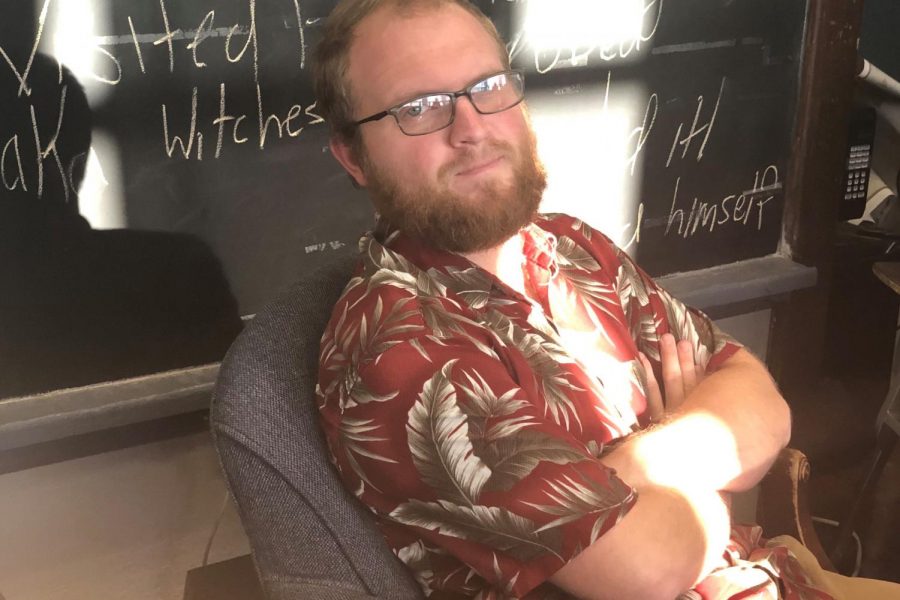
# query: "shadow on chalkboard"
81,306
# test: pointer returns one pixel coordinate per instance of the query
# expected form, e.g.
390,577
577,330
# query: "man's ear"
345,155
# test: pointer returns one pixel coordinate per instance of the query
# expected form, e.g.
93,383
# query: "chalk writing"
301,33
189,143
706,130
183,133
547,58
168,37
20,174
636,233
12,173
228,127
322,247
640,135
732,209
137,47
202,33
216,87
23,76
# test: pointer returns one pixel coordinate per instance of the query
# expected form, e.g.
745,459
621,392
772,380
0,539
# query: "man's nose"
468,124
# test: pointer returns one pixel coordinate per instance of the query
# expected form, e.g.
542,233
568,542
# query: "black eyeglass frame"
454,96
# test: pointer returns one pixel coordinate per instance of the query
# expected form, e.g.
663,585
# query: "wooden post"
815,183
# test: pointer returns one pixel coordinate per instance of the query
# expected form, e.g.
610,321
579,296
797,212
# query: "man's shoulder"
367,290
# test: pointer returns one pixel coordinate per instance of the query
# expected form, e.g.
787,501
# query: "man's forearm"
724,437
667,543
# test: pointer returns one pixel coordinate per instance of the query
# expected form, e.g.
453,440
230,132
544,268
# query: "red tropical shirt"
470,418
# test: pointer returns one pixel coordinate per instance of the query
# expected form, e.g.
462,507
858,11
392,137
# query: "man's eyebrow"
428,92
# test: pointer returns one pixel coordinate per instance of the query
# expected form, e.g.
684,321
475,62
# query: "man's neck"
504,262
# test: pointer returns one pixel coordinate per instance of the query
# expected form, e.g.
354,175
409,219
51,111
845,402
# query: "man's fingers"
654,394
680,374
671,370
686,362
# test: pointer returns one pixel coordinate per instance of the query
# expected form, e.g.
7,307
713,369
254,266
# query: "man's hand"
721,433
680,376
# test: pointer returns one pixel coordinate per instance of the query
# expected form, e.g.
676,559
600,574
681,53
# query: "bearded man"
488,378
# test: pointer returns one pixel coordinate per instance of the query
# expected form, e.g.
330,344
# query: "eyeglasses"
433,112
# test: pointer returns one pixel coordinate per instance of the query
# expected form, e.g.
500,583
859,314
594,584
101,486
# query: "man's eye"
413,110
424,107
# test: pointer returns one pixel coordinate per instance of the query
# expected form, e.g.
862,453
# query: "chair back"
310,538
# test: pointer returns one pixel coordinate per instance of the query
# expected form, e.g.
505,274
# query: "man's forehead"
396,55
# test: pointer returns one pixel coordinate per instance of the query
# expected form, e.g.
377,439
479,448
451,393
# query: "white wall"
122,525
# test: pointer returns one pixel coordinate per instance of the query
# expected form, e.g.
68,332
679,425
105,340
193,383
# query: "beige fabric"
839,586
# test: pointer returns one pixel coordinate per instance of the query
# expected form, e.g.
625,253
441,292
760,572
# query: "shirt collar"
452,270
540,253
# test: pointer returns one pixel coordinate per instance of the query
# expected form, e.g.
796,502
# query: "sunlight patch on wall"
71,29
572,33
589,138
101,200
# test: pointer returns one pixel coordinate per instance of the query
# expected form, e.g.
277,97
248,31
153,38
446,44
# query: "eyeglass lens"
435,111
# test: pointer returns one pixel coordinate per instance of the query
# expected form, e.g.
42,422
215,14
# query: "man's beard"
443,219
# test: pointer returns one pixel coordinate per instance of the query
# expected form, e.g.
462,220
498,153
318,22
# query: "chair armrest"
783,505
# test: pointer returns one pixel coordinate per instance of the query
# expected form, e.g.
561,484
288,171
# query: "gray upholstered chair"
309,537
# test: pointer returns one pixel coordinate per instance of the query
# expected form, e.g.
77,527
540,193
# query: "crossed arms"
718,434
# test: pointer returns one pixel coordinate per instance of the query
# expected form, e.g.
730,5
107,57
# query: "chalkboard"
672,137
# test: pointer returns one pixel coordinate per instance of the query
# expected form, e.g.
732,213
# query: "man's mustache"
470,158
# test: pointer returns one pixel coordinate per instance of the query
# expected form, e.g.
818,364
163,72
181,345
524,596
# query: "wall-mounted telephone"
859,160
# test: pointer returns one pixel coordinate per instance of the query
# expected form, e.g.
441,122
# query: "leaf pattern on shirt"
438,435
639,376
447,324
471,284
484,404
507,447
354,434
635,298
379,256
397,279
417,346
580,270
503,587
571,254
578,225
683,324
572,500
417,558
472,584
492,526
629,283
386,267
354,345
645,333
545,357
512,459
